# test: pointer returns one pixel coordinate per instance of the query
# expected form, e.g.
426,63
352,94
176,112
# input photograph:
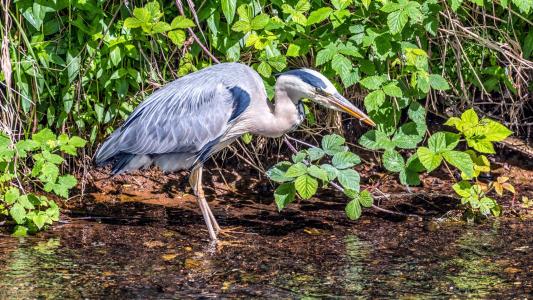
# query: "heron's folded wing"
182,117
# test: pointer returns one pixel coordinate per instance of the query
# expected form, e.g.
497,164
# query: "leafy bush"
304,175
29,211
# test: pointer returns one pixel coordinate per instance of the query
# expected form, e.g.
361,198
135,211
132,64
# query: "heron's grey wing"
187,116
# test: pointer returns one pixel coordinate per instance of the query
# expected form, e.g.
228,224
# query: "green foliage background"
82,66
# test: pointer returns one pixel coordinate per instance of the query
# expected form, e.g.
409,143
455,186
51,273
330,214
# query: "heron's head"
307,83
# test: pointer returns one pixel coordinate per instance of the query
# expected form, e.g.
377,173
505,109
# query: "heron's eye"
320,91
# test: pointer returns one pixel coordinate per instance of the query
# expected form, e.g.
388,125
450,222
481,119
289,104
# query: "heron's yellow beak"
342,104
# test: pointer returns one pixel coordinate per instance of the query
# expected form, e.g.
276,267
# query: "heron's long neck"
284,117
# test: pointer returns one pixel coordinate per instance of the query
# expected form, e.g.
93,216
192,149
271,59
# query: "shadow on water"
140,250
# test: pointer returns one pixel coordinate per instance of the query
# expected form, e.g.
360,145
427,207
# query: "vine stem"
194,36
341,189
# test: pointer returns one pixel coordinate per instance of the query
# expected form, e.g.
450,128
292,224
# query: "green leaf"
396,20
456,4
115,55
409,135
374,100
49,172
319,15
438,82
53,158
333,143
429,159
260,21
372,82
442,141
349,179
331,170
393,161
469,118
353,209
318,173
486,204
20,231
284,195
18,213
366,199
326,54
77,142
461,161
341,64
277,172
341,4
315,153
228,9
482,146
346,159
25,202
64,184
375,139
306,186
299,157
417,113
24,146
296,170
495,131
40,219
44,136
392,90
11,195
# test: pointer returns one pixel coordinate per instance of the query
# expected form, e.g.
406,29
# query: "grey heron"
186,121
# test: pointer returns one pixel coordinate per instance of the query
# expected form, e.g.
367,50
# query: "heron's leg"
195,181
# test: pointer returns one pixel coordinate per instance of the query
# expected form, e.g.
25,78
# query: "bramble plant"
303,175
29,211
306,173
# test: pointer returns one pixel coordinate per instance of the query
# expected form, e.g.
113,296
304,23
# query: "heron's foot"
221,244
230,231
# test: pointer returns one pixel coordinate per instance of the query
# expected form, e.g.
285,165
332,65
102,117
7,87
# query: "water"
308,253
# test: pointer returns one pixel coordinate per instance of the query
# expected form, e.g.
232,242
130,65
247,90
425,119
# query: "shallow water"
297,255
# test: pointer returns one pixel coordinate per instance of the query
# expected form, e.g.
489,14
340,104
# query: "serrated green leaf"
409,135
299,157
177,37
44,136
393,161
333,143
345,159
330,170
353,209
396,20
429,159
306,186
277,172
317,172
375,139
341,64
18,213
366,199
442,141
39,220
284,195
11,195
374,100
319,15
315,153
392,90
296,170
372,82
461,161
438,82
349,179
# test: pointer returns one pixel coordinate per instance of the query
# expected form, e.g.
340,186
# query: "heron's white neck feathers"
284,115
